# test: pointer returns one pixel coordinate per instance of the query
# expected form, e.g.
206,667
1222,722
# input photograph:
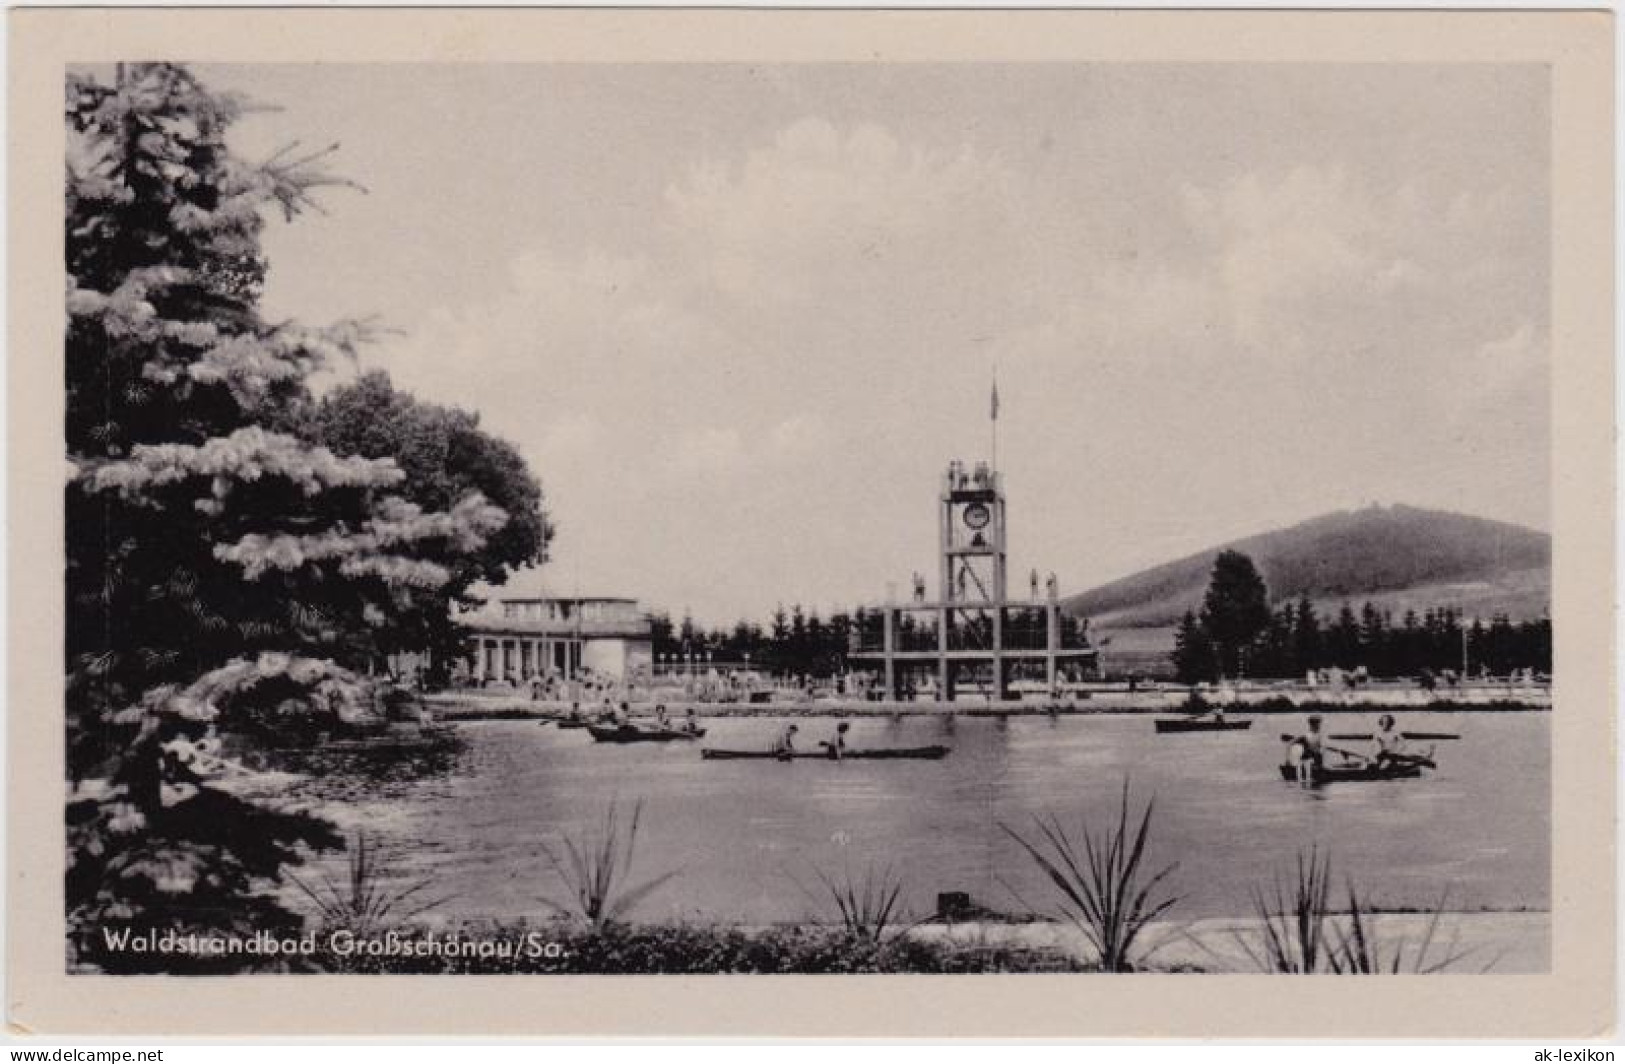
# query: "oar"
1425,760
1419,759
1414,736
1286,738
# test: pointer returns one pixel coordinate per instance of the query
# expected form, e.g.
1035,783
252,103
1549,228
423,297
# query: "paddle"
1415,759
1287,738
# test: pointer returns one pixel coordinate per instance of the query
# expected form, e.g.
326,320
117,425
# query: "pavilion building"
520,638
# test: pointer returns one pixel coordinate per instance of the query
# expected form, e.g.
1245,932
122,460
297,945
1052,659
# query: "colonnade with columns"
499,657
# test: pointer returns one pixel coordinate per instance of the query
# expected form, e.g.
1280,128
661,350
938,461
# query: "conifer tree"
218,569
1235,611
1193,656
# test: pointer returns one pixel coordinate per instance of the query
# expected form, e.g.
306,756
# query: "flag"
995,414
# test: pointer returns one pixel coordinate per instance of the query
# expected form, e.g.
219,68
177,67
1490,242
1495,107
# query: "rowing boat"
1362,773
627,733
1200,724
896,753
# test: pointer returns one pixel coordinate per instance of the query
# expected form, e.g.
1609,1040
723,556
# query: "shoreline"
1511,942
462,705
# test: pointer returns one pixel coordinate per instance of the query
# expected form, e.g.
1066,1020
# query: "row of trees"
796,642
800,643
1237,633
238,552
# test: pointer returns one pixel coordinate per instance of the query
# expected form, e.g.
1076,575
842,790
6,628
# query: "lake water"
749,838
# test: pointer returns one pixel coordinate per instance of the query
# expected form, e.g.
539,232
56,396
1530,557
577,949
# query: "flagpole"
995,420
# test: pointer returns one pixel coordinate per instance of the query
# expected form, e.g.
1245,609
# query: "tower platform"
972,635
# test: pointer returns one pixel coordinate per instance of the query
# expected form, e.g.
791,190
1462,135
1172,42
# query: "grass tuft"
364,903
1301,933
1357,949
870,908
1293,920
1102,884
595,868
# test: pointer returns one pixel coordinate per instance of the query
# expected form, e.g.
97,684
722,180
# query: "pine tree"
1306,648
221,573
1344,638
1236,610
1193,656
1374,651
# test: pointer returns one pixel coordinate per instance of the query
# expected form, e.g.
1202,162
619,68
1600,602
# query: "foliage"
221,573
1432,647
1194,659
1102,885
1293,935
447,459
365,903
868,907
1235,611
797,642
1359,950
1301,933
594,871
686,949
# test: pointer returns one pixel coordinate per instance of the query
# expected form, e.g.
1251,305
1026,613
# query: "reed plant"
1357,949
1102,883
1301,932
366,901
870,907
595,868
1292,937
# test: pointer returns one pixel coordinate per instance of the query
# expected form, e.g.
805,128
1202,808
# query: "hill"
1399,557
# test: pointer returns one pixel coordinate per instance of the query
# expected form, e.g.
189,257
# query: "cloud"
823,204
799,434
814,317
708,451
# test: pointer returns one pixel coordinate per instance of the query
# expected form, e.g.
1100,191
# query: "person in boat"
661,720
837,749
1388,745
1310,750
691,722
786,743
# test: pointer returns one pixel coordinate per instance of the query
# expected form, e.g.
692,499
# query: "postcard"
805,523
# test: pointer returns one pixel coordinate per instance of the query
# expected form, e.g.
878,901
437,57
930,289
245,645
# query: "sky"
738,318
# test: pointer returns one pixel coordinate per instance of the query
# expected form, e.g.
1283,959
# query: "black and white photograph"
972,518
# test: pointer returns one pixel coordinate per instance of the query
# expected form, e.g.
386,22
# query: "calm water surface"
748,836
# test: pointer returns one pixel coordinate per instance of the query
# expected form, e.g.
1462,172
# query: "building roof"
528,585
